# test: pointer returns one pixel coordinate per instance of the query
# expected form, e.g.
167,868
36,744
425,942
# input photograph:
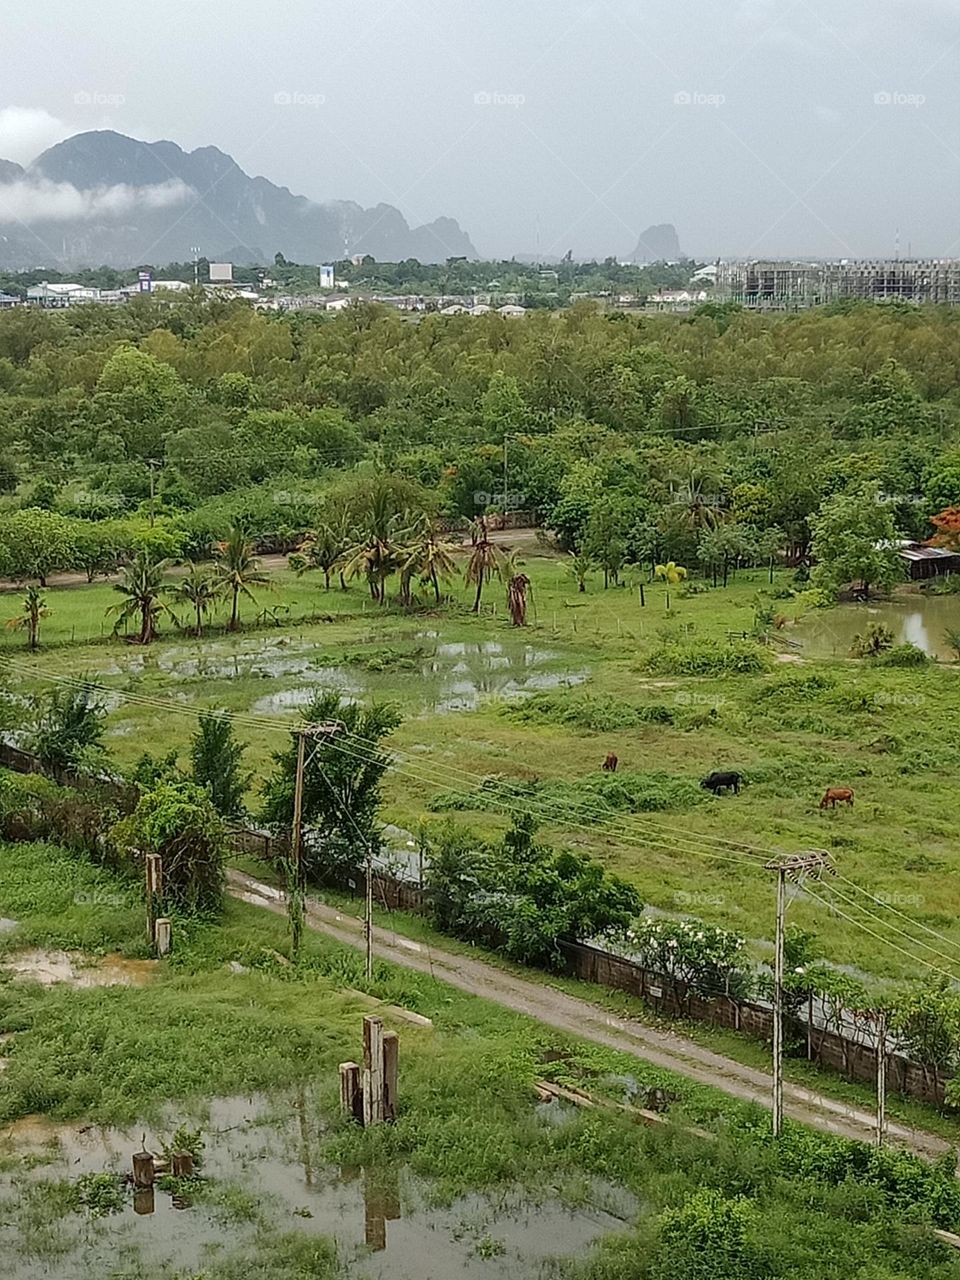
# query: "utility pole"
368,916
505,438
196,266
151,463
881,1076
297,878
813,862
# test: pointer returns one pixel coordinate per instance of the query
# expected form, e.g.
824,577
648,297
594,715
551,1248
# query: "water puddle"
51,967
262,1169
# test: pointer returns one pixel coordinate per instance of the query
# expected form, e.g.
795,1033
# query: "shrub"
708,658
871,643
216,756
68,728
599,713
178,821
903,655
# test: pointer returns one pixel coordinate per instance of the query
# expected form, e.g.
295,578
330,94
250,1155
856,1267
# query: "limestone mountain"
102,197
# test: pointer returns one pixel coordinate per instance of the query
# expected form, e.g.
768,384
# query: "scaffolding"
794,286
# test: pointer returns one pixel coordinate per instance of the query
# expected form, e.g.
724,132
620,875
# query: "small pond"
922,620
263,1169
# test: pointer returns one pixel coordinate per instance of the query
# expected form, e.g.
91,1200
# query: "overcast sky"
755,126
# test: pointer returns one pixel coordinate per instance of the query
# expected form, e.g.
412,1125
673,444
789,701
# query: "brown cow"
835,796
610,764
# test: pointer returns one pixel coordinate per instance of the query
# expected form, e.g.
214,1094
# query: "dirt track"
579,1017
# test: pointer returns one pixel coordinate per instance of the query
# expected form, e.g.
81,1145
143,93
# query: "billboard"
326,277
221,273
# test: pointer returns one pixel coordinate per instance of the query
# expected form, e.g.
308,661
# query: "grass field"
483,700
230,1036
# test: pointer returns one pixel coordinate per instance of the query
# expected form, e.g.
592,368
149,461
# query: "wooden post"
144,1200
881,1078
153,870
372,1070
391,1053
182,1164
351,1095
143,1170
643,601
163,936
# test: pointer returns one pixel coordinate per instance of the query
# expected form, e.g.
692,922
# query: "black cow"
717,782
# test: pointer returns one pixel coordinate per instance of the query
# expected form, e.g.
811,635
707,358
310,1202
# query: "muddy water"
382,1221
49,967
440,677
914,618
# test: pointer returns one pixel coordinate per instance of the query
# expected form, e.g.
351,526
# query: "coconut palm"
142,586
34,608
429,557
377,550
237,570
200,590
671,574
518,584
580,565
486,561
322,549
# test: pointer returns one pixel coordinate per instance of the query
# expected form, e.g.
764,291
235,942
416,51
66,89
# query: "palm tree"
321,549
430,557
486,561
200,590
517,586
376,553
142,586
34,608
580,565
238,569
671,574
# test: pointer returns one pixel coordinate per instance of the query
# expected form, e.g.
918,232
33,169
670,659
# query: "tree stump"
143,1170
182,1164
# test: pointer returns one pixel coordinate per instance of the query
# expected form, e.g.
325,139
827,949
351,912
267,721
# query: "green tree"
142,585
35,543
854,540
485,562
429,556
68,728
238,570
200,590
34,609
341,786
177,820
217,759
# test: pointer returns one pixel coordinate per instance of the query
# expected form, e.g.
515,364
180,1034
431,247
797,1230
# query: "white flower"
799,969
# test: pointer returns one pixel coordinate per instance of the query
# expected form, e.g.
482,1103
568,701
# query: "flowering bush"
708,959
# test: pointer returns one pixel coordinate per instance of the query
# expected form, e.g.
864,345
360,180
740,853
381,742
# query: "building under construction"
793,286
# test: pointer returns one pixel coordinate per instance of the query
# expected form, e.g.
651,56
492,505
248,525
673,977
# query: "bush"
178,821
588,799
599,713
903,655
708,658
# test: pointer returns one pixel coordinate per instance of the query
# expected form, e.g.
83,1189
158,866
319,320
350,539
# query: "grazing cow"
610,764
717,782
835,796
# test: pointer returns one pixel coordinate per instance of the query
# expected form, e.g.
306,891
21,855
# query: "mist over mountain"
103,197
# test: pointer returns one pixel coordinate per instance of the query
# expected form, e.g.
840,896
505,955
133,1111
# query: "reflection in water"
914,619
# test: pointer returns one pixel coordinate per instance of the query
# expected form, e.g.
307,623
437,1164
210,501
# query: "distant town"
761,285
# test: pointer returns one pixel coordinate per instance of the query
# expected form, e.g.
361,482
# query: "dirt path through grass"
581,1018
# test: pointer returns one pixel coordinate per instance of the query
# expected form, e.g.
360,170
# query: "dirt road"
579,1017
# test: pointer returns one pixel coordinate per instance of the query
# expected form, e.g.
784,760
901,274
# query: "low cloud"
27,200
26,131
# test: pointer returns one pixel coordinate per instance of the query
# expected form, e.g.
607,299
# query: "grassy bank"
228,1014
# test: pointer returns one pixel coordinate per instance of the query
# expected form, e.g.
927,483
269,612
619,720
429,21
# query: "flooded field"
421,670
917,619
261,1172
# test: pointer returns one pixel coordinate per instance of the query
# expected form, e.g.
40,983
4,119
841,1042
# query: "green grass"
791,731
467,1122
